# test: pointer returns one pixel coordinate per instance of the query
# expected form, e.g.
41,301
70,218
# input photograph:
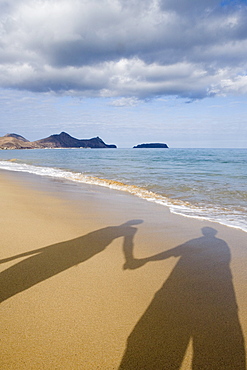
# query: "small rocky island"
151,145
62,140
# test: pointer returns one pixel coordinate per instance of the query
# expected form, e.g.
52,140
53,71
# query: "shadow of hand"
134,264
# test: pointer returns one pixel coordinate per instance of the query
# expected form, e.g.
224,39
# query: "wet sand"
98,279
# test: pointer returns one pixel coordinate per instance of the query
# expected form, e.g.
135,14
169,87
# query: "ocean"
209,184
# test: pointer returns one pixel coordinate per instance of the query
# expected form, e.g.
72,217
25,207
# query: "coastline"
216,193
80,315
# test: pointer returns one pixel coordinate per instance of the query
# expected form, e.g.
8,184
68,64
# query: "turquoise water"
203,183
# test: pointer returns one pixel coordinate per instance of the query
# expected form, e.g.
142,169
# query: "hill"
62,140
14,141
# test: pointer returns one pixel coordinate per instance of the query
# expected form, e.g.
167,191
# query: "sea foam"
180,207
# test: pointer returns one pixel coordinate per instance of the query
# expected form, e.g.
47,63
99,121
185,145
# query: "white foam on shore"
186,209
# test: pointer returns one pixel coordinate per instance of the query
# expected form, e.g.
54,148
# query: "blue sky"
129,71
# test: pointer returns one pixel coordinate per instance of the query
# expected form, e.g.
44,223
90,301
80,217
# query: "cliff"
62,140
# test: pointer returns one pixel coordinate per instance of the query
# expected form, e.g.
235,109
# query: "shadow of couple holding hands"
196,303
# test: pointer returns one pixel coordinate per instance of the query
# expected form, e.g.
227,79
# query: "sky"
128,71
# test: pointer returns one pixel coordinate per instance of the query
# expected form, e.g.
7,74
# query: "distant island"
151,145
62,140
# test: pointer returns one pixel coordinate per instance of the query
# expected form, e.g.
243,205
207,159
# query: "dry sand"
68,302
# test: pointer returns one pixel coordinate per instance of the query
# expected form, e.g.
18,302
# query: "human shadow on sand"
197,302
46,262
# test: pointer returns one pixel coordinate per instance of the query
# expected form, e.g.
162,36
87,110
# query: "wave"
227,217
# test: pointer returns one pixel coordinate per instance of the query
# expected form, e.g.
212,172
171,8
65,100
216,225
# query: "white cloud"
236,86
125,102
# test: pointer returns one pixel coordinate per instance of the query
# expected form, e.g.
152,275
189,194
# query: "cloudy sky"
129,71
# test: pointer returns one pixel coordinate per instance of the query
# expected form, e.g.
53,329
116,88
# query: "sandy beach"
93,278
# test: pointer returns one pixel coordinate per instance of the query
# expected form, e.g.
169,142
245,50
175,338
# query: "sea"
208,184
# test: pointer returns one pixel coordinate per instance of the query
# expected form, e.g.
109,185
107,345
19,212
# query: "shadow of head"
209,231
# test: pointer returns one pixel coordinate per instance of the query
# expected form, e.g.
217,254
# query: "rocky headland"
62,140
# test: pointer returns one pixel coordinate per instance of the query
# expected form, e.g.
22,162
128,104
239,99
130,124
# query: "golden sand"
103,280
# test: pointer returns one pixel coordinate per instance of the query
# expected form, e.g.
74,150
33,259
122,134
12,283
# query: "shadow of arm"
128,246
25,254
136,263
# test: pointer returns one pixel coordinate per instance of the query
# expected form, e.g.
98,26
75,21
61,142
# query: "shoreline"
80,315
176,206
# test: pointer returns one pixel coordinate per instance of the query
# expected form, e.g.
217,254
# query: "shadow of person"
197,302
46,262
